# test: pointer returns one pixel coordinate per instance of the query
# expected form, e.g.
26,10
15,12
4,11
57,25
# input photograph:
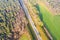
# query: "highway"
30,19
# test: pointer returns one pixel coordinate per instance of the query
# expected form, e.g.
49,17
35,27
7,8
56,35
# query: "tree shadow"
39,14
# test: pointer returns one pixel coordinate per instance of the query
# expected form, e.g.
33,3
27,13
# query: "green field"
51,22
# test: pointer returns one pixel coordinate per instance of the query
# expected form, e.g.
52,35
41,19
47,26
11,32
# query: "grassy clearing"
27,35
24,37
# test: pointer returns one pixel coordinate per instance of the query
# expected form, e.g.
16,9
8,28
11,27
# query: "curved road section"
30,20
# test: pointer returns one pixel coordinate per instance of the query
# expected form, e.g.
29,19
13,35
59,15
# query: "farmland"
52,22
